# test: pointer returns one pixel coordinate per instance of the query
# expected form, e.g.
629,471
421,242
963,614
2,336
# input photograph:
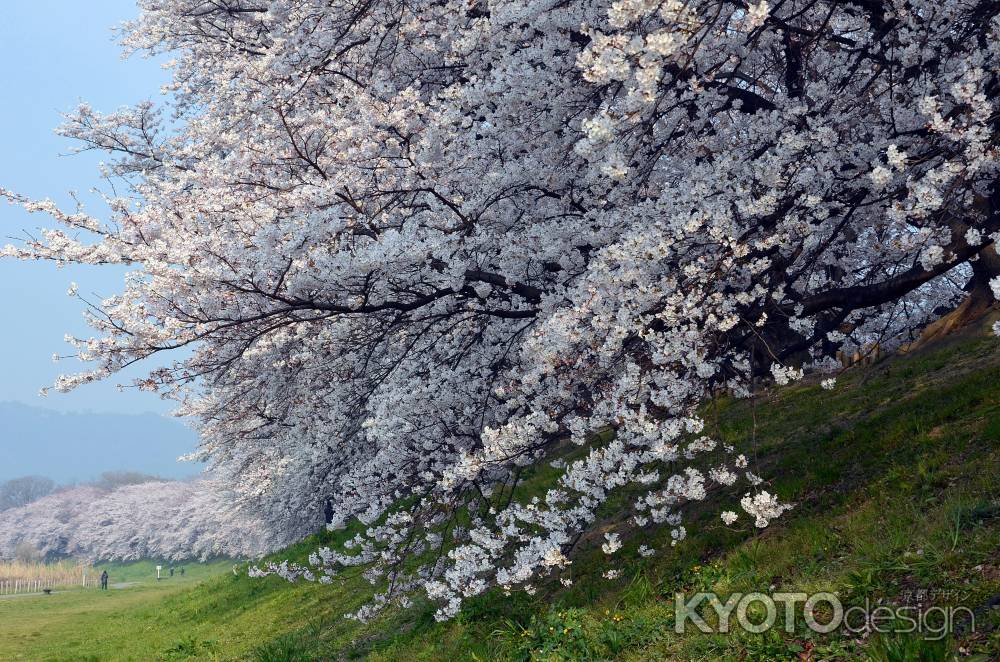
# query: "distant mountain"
76,447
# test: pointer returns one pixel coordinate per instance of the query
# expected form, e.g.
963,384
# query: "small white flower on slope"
729,517
612,545
646,552
829,384
764,507
612,574
722,475
783,374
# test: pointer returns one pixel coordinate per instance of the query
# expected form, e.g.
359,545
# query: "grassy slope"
896,477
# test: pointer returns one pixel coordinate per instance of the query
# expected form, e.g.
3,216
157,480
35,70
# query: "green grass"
145,571
90,624
896,480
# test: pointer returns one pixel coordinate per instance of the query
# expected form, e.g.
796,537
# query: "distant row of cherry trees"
154,519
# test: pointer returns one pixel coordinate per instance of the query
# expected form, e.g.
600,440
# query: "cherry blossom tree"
158,519
412,247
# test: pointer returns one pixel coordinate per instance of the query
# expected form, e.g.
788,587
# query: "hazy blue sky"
54,54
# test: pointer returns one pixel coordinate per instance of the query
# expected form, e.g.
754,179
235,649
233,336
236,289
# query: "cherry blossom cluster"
171,520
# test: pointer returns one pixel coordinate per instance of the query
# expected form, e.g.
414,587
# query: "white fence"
19,586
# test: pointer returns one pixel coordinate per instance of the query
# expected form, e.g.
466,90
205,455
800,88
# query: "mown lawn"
896,480
81,624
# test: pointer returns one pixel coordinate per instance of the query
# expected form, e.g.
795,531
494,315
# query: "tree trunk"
979,301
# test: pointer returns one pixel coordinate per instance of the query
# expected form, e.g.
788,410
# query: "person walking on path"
104,580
